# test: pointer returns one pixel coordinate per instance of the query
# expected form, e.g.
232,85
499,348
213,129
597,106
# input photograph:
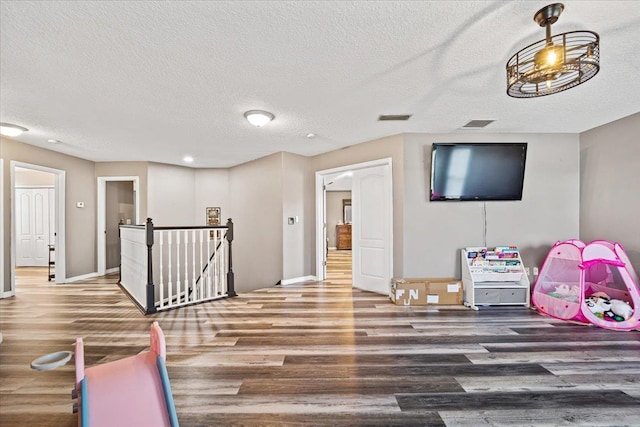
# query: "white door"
52,216
33,217
371,229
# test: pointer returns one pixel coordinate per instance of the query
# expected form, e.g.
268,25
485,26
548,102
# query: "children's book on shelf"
501,263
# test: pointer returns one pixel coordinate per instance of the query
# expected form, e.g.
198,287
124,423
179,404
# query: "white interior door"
33,217
52,216
371,228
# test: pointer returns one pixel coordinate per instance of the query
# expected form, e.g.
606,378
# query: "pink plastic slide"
134,391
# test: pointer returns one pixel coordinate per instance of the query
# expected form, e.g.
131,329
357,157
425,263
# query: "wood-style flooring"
339,266
323,354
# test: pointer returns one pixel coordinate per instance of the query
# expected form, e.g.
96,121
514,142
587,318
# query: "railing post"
151,300
230,285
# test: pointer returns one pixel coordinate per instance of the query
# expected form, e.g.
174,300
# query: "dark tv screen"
477,171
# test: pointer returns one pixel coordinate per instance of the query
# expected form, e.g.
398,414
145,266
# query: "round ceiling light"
258,118
7,129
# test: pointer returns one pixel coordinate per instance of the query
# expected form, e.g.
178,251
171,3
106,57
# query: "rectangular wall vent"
477,124
393,117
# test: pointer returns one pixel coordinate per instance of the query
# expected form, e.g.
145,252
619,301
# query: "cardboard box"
448,292
426,291
408,293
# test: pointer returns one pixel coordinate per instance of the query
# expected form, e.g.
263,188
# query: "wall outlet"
526,271
535,271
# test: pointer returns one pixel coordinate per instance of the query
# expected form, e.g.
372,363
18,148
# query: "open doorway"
371,212
118,203
339,223
34,217
37,221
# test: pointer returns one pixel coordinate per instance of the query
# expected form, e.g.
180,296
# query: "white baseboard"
333,248
112,270
297,280
7,294
81,277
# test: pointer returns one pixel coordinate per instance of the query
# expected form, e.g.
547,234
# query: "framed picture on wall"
213,218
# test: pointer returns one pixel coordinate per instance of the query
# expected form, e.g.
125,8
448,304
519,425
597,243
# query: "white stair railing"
133,262
193,264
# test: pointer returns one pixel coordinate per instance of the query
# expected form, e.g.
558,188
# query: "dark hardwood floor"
323,353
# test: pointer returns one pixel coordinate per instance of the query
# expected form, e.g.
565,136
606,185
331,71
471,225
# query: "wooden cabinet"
343,236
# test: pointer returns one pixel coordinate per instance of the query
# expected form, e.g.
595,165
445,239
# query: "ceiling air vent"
393,117
477,124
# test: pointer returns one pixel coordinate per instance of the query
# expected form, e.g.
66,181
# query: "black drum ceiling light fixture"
554,64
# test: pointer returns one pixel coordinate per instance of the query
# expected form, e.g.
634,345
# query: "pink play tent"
590,283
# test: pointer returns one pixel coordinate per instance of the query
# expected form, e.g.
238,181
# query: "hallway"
339,266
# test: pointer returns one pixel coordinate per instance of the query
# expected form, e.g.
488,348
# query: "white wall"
170,195
211,190
610,185
434,232
255,190
295,191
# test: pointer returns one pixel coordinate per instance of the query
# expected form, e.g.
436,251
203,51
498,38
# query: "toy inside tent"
134,391
589,283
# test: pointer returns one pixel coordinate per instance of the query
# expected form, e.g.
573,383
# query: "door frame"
102,215
51,212
60,220
321,213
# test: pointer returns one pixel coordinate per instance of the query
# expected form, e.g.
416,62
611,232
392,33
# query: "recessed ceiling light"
259,118
188,159
54,141
311,135
7,129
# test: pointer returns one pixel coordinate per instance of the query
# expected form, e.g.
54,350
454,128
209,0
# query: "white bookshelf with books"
494,276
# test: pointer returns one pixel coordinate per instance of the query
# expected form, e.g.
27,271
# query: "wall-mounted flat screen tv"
477,171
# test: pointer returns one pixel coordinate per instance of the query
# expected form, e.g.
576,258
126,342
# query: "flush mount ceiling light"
555,63
259,118
7,129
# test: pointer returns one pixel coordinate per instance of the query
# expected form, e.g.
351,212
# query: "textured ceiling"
147,80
